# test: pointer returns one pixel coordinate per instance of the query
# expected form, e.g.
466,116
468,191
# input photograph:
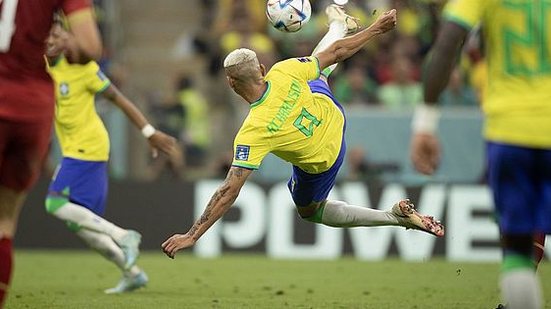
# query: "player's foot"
129,283
336,13
130,245
409,218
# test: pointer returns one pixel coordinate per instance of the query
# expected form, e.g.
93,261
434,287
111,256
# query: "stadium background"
166,56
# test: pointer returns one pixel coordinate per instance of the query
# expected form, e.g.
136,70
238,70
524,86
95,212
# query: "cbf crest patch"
64,89
242,152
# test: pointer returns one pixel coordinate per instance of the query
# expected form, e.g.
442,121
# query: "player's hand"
385,22
176,243
425,152
163,142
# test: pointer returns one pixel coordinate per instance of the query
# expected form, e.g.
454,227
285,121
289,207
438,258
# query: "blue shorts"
520,179
82,182
308,188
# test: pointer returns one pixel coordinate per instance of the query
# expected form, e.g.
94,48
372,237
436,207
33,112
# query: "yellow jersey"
78,127
517,97
298,126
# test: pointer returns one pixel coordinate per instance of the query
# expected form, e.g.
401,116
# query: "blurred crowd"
386,74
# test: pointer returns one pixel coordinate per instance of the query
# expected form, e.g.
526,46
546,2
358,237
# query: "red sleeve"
70,6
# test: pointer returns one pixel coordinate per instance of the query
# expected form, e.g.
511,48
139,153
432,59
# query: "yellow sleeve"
303,68
466,13
96,81
249,148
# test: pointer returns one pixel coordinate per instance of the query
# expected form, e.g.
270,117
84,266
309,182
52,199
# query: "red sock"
539,243
5,267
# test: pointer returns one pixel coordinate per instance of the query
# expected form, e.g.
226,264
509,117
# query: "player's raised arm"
346,47
84,42
220,202
157,139
425,148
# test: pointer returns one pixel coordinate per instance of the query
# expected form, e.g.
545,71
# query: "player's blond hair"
242,64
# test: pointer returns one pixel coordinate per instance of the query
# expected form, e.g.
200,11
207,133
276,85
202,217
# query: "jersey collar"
263,97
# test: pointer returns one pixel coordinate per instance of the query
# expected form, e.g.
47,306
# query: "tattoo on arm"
217,196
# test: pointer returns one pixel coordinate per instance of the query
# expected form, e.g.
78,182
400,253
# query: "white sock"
89,220
108,248
341,214
337,30
521,289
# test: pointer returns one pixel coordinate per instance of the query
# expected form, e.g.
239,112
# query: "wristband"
148,131
425,119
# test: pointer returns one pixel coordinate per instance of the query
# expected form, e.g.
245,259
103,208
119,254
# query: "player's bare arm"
346,47
157,140
220,202
425,148
84,42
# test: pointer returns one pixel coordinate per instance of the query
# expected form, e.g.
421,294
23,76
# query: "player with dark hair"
517,125
27,100
295,116
78,190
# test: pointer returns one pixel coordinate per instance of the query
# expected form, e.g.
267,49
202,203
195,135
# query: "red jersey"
26,90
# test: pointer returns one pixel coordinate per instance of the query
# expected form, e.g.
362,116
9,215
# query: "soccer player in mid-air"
79,187
295,116
517,129
27,100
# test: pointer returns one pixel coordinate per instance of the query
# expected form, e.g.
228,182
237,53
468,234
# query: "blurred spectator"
228,10
355,87
196,133
360,168
169,118
403,92
241,34
457,93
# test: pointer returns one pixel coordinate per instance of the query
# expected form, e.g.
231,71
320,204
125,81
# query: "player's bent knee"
54,202
312,213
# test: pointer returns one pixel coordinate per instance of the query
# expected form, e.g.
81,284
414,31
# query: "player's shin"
520,286
61,208
341,214
337,30
6,258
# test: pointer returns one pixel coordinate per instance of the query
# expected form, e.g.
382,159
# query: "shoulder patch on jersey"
64,88
242,152
304,59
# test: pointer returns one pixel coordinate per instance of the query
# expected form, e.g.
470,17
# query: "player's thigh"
24,146
307,189
512,176
82,182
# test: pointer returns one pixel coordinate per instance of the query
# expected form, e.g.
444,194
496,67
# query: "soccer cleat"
129,283
130,245
336,13
409,218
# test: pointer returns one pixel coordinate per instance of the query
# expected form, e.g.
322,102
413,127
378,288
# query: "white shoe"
336,13
129,284
409,218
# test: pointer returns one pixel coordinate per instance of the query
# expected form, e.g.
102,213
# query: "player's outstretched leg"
403,213
340,24
133,277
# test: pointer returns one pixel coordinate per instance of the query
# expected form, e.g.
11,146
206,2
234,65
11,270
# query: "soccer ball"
288,15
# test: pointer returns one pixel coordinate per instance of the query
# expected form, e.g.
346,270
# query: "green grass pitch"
76,279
